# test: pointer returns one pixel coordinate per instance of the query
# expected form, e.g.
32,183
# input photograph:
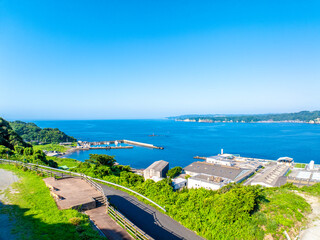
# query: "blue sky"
152,59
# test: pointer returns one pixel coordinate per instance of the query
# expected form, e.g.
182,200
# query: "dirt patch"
312,231
6,179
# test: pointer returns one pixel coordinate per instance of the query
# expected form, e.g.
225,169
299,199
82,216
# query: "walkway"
107,225
312,232
147,218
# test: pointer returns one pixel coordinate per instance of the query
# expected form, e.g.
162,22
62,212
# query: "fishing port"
84,145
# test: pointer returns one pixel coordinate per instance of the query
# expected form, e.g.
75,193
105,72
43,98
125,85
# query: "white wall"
195,183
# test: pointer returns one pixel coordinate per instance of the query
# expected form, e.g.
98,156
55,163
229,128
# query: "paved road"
147,218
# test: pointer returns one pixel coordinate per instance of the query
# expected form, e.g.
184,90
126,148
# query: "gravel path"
6,179
313,229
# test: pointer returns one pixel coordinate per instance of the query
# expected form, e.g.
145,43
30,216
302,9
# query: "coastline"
210,121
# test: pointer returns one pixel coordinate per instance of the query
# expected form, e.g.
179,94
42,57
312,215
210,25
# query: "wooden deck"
72,193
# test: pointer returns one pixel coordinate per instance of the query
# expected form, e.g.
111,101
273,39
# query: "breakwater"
141,144
97,145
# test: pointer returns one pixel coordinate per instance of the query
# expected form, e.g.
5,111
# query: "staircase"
100,201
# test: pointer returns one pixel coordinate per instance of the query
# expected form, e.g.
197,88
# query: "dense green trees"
101,159
173,172
31,132
8,137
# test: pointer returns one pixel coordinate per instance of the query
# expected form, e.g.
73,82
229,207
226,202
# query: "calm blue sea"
184,140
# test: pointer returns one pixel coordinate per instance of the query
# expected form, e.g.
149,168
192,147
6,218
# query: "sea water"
184,140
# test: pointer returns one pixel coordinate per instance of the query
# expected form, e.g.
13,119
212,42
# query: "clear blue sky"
152,59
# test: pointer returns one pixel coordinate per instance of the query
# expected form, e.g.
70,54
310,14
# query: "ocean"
184,140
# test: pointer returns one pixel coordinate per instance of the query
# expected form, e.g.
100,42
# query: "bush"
75,221
25,169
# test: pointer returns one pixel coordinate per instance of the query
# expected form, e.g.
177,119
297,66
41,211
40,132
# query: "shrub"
25,169
75,221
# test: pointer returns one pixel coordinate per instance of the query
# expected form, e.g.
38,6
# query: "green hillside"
8,137
30,132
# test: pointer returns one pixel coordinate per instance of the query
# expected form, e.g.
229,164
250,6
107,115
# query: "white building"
285,160
311,165
220,160
157,169
206,181
178,183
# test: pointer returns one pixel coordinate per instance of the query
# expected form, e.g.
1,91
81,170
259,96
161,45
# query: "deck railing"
125,223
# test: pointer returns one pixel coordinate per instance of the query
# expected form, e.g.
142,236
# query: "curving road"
147,218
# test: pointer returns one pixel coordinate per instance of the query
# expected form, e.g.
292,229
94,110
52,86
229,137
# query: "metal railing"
132,229
97,187
125,223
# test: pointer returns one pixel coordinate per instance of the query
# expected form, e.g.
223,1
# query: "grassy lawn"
51,147
69,162
300,165
36,215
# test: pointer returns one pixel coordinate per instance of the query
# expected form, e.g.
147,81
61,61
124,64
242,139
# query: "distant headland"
312,117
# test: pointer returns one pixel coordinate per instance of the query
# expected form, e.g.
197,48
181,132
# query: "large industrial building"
214,176
156,170
272,177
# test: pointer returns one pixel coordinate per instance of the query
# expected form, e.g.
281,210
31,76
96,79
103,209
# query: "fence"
125,223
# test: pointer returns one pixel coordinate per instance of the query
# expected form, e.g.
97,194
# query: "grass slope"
51,147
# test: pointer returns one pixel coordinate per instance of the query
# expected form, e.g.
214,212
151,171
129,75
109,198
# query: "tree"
39,155
4,151
101,159
19,150
28,151
172,173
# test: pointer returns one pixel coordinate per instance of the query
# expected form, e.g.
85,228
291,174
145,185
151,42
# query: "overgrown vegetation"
30,132
36,214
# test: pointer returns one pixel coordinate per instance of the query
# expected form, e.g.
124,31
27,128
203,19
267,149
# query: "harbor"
84,145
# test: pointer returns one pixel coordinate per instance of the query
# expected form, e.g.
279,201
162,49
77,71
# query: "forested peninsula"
30,132
312,117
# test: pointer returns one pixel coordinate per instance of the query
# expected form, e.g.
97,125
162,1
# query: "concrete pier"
87,145
141,144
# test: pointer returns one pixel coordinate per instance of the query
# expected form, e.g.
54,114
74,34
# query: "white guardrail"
96,179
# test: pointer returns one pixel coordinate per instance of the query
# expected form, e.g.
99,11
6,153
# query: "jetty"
141,144
108,147
97,145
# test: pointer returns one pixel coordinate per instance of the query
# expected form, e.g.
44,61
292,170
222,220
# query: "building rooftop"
209,179
232,173
158,165
179,180
271,176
